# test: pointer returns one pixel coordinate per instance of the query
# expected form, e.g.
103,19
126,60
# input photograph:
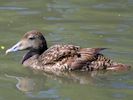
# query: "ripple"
29,12
108,6
12,8
121,85
119,95
51,93
52,18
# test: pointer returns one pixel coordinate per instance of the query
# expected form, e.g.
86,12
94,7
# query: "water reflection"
34,87
30,84
40,87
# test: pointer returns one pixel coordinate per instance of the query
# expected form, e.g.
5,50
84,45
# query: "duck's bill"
14,48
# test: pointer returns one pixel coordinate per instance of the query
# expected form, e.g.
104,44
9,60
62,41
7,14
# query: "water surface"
88,23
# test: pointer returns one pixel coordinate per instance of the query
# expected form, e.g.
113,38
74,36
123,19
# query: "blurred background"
87,23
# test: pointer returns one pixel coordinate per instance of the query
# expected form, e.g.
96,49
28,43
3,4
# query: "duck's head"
32,40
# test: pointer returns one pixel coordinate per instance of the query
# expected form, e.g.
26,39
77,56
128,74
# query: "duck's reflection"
33,83
25,84
35,87
74,77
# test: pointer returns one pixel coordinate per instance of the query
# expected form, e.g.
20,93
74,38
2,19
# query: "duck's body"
62,57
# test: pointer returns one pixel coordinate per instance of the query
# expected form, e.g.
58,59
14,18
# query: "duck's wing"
60,52
91,51
57,53
87,55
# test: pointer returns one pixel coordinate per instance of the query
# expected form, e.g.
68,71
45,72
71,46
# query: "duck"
61,57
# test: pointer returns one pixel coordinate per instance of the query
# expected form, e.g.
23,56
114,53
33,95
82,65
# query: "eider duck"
61,57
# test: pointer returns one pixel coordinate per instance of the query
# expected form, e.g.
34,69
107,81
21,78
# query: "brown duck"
61,57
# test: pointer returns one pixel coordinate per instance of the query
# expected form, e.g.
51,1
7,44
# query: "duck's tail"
102,62
119,67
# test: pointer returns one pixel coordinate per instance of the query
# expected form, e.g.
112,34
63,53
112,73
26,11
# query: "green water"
88,23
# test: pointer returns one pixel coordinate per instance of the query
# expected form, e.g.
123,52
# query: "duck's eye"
31,38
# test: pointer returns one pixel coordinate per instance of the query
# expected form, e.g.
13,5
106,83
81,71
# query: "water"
88,23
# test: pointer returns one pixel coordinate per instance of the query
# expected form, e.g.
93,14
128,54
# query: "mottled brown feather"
57,53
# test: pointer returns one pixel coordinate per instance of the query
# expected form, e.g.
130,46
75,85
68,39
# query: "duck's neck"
33,52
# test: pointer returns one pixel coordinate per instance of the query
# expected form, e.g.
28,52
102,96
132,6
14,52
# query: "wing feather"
58,52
